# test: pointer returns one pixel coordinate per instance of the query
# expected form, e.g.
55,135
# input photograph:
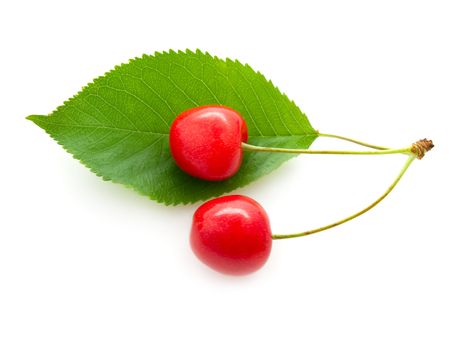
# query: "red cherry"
206,141
231,234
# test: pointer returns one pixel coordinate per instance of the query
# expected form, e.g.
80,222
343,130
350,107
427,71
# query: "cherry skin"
206,142
231,234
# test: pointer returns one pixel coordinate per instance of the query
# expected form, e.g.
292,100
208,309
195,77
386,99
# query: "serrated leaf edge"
34,119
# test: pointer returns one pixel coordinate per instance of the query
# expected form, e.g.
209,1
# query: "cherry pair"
232,234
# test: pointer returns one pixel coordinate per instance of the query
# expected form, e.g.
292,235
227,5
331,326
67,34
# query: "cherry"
231,234
206,141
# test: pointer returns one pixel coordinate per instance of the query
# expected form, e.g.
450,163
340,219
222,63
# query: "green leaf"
118,125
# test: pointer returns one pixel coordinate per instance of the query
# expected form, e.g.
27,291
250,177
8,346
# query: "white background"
86,264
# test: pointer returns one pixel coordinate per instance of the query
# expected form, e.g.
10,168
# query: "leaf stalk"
358,142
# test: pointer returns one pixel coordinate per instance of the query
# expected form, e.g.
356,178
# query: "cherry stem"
417,149
337,223
361,143
252,148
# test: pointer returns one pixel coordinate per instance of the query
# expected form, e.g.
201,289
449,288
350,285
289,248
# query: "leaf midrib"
43,119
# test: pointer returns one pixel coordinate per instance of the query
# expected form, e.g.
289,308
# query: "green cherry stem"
409,161
417,149
361,143
253,148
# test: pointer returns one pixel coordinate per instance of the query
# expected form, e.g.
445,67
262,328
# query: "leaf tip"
35,118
